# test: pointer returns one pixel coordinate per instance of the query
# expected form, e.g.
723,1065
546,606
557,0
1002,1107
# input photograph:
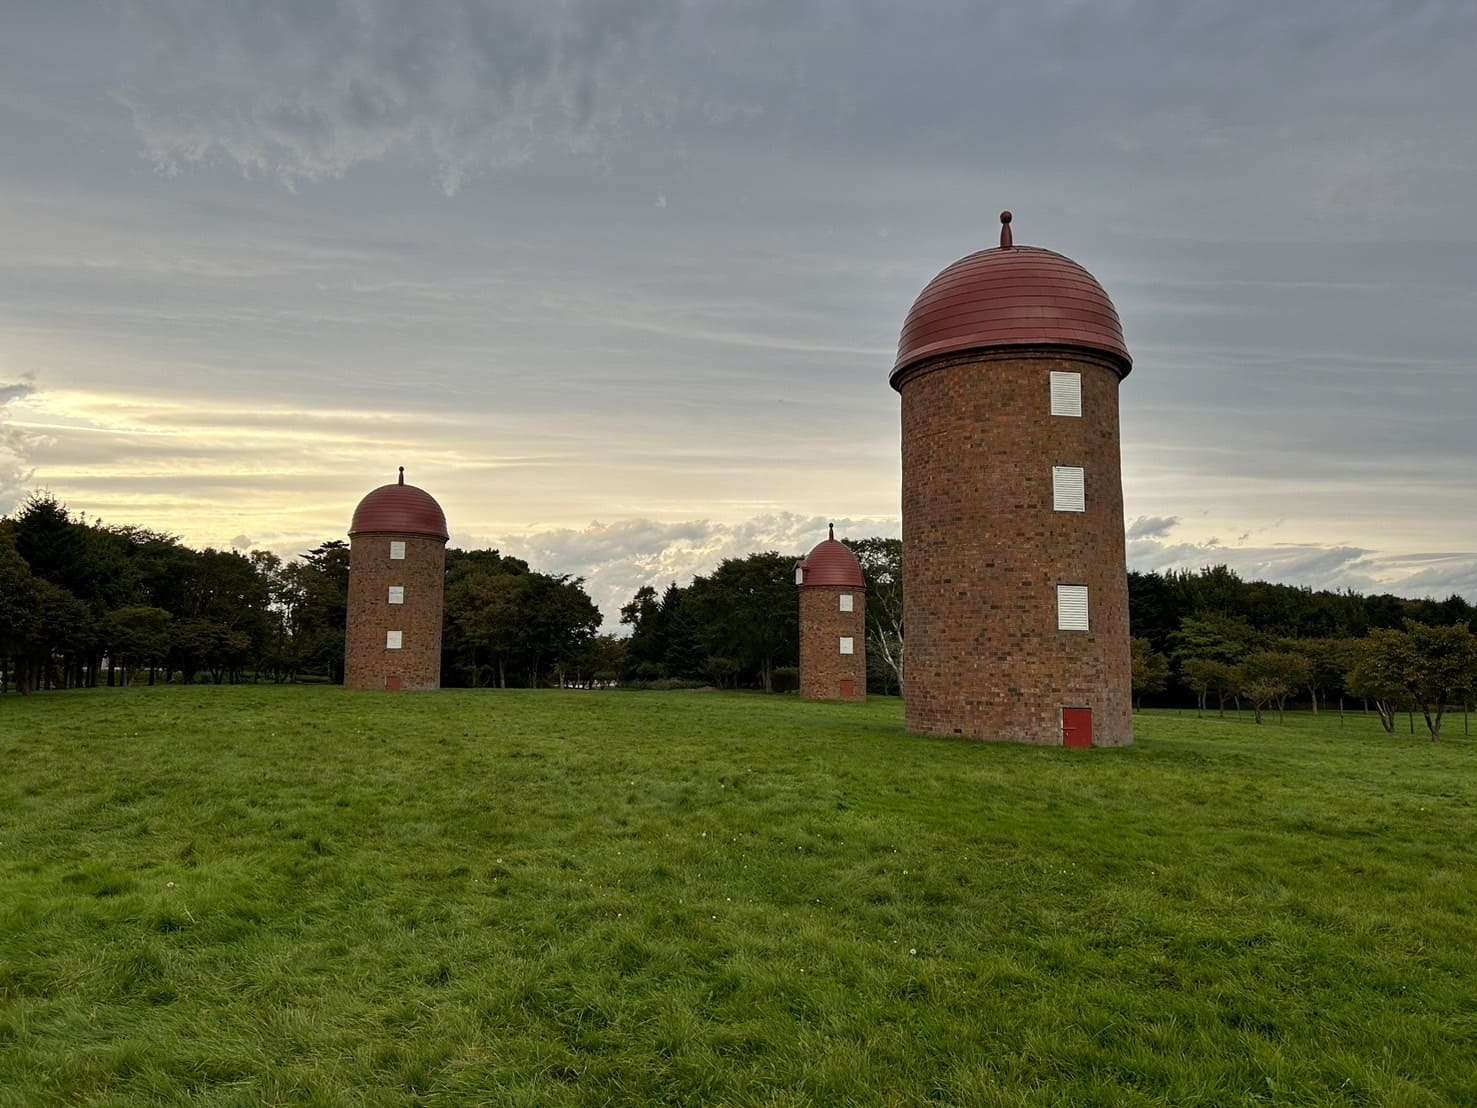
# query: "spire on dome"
831,563
399,509
1013,296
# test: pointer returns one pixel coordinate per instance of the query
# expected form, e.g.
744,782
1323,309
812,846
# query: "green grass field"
302,895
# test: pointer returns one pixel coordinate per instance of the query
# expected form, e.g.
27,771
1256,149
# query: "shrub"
664,684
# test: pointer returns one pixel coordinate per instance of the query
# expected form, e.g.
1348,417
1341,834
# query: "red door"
848,689
1077,727
392,684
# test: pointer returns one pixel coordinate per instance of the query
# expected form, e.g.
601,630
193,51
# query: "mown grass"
302,895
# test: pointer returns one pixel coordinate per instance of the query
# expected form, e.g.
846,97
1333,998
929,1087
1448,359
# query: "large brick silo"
833,623
1015,587
397,575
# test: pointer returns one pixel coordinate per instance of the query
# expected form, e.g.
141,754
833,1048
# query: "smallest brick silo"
833,623
397,578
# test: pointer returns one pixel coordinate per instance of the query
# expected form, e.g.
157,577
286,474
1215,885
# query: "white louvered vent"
847,647
397,594
397,552
1066,393
1068,489
846,602
800,575
1071,607
392,640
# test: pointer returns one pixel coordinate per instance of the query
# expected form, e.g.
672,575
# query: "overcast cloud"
644,263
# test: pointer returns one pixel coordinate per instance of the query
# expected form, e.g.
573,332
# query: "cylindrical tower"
1015,585
397,574
833,623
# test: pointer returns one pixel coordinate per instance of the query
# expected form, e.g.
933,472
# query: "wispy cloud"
17,445
1150,527
1311,564
303,92
619,557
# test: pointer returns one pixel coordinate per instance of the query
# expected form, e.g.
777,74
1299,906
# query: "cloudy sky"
620,281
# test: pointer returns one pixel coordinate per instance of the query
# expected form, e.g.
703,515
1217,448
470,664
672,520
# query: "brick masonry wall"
823,667
984,550
367,664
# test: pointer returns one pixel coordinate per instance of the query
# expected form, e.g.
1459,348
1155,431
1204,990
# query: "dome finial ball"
1005,239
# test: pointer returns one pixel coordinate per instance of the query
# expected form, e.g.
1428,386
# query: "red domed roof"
400,509
1011,296
832,563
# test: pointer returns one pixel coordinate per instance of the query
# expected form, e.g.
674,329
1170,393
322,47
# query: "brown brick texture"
417,664
826,673
984,550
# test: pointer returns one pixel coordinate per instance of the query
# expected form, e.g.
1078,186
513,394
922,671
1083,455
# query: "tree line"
738,626
83,604
1209,635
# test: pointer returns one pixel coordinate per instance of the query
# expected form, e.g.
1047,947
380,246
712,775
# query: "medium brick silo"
833,623
397,575
1015,587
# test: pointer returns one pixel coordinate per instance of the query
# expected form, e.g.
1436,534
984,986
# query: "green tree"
1297,670
606,659
1324,669
642,615
747,610
1420,666
1214,636
1160,602
164,568
683,654
139,636
723,672
314,596
1150,670
1443,671
195,645
1202,676
20,604
486,608
1263,679
1431,666
557,623
229,589
53,546
506,620
1376,672
65,634
882,565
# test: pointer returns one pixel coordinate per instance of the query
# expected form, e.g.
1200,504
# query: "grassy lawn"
302,895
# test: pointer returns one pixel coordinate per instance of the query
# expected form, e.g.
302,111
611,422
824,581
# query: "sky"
620,281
